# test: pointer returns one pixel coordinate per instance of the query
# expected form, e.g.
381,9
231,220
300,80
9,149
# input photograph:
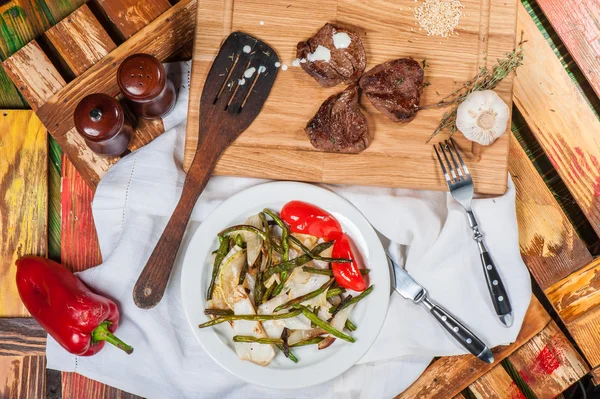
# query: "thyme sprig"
486,79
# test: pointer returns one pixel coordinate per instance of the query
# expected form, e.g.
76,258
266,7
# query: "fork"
461,188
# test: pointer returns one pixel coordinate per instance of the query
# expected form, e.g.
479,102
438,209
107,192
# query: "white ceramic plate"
314,366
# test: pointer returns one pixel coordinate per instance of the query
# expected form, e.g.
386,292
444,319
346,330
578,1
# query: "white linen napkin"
427,231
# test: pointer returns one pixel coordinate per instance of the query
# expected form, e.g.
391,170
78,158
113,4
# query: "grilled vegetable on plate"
277,277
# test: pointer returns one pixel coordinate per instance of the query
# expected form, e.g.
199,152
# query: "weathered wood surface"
80,41
577,22
129,16
548,363
75,386
585,330
577,293
549,244
398,155
560,118
23,223
21,336
450,375
34,75
496,384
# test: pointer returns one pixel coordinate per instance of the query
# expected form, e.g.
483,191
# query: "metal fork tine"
454,178
442,165
460,158
454,160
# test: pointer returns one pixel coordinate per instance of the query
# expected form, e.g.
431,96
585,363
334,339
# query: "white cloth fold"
427,231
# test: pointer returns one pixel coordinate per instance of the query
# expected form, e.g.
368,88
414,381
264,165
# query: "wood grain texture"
79,243
398,155
33,74
23,202
25,377
585,330
549,244
560,118
80,40
496,384
577,22
76,386
450,375
548,363
129,16
595,373
577,293
21,336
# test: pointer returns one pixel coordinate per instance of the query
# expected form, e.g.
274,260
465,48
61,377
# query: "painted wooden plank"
548,363
23,377
496,384
129,16
21,336
76,386
161,38
23,204
585,330
34,75
450,375
577,293
577,22
595,373
80,40
549,244
560,118
23,211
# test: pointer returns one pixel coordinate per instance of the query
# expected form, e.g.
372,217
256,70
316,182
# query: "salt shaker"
143,82
100,119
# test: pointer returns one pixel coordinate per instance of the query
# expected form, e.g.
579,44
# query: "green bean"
335,291
328,272
251,317
304,297
284,247
239,241
221,253
244,227
265,341
352,301
335,309
350,326
290,356
320,248
332,260
258,285
218,312
288,266
243,273
310,341
322,324
303,247
268,292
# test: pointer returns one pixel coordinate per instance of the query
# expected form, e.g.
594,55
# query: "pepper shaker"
143,82
100,119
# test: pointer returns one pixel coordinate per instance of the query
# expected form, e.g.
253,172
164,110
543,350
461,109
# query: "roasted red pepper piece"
79,320
309,219
347,274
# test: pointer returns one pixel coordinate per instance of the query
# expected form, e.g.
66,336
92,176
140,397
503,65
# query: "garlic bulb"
482,117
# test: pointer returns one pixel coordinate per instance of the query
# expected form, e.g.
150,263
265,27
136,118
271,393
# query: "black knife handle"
459,331
495,285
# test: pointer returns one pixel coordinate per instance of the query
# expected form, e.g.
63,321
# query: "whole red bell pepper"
79,320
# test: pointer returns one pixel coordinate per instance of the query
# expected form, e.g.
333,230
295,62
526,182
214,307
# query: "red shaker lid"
98,117
141,77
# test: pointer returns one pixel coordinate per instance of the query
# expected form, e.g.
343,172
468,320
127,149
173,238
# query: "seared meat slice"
395,88
333,56
339,125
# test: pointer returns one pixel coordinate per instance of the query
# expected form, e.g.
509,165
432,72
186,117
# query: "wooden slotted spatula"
235,90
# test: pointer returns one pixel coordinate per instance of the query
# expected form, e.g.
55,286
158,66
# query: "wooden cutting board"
275,146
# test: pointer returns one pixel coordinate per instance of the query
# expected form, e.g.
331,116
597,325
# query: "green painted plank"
54,198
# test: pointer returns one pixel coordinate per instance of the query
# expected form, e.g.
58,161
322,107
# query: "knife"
406,286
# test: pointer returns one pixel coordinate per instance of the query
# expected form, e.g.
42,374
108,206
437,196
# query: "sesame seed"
439,17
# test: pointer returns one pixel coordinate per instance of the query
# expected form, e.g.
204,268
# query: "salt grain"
439,17
262,22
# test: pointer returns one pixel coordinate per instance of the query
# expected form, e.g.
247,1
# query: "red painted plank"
577,22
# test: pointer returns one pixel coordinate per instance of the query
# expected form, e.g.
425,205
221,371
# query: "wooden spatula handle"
151,284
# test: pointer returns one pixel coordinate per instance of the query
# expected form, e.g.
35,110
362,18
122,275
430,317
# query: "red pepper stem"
101,333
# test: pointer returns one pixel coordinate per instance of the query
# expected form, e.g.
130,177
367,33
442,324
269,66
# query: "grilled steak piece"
331,65
339,125
395,88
